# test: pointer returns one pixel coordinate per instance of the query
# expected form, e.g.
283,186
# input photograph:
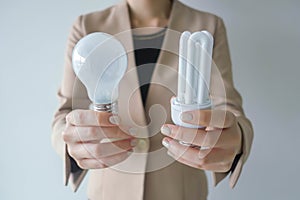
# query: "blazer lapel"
127,176
130,103
164,80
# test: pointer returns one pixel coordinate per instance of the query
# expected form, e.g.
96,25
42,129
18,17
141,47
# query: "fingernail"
165,130
166,143
186,116
134,142
133,131
114,120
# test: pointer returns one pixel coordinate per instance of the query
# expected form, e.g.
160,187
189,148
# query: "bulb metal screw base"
109,107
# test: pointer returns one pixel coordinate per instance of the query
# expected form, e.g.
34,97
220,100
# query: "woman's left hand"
220,141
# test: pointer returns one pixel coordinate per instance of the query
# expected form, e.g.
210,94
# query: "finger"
186,162
209,118
188,135
204,158
90,163
91,118
100,150
216,167
198,137
115,159
92,134
102,163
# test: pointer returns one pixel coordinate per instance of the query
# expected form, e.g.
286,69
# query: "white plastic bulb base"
178,108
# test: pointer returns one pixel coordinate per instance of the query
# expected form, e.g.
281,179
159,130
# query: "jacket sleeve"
68,100
229,100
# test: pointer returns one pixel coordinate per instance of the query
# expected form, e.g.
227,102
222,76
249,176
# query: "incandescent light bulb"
100,61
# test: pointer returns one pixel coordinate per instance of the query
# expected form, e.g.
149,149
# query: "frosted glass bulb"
100,61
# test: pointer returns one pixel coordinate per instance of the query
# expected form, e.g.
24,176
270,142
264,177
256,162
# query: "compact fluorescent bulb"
194,71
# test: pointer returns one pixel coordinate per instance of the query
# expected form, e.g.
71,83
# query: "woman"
146,174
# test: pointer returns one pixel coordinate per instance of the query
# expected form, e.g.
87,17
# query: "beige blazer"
150,173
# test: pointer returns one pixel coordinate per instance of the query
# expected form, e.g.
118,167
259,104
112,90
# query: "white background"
264,42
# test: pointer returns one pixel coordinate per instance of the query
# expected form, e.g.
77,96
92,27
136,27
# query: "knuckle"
119,133
225,166
215,137
81,164
98,165
79,117
97,153
173,149
206,142
231,153
90,164
92,132
178,133
230,118
66,135
106,132
74,116
69,117
120,145
72,152
199,166
203,161
230,115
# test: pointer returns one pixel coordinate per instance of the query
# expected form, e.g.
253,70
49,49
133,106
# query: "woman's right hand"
83,135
